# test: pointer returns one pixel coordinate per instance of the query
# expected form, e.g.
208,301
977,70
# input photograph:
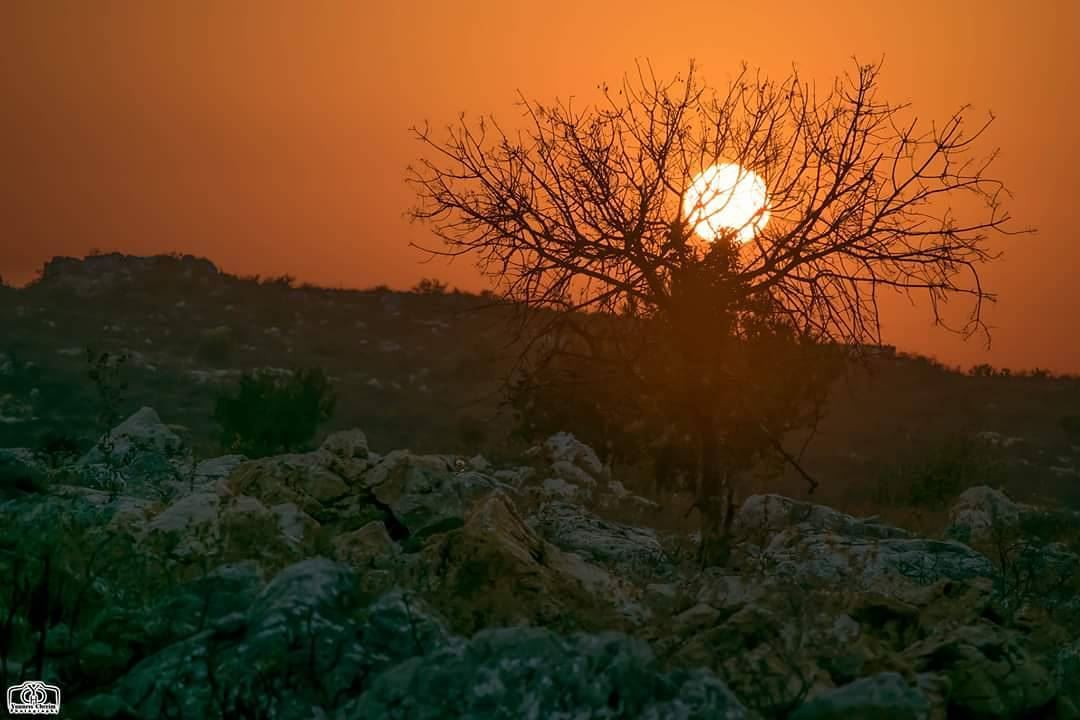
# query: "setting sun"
727,198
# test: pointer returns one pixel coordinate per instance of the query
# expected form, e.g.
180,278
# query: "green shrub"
1070,424
21,474
932,476
216,347
430,286
270,414
58,448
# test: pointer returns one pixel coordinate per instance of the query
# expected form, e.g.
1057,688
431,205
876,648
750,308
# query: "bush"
1070,424
216,347
58,448
20,473
430,286
270,414
931,477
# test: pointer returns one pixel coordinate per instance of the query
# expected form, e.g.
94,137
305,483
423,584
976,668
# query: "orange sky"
272,136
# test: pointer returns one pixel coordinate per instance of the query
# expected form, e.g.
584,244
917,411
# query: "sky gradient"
272,136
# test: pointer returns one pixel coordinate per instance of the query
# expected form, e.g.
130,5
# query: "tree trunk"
714,497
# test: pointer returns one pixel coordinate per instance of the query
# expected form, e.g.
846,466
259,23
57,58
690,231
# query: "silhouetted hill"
423,370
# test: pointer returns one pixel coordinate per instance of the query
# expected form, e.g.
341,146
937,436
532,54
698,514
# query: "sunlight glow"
727,198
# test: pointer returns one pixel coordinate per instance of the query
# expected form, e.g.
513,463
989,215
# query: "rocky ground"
345,583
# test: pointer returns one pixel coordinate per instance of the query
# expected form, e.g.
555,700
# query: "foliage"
16,474
268,414
932,476
1070,425
430,286
216,347
578,219
715,381
284,282
105,371
58,448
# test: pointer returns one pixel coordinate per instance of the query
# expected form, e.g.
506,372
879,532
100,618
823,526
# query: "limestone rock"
367,547
885,696
891,566
763,516
346,453
576,530
992,671
533,673
143,432
425,493
302,479
565,448
229,529
495,570
213,470
977,511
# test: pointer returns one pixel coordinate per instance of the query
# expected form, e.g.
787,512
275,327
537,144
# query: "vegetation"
1070,424
439,360
430,286
217,347
579,221
933,475
269,414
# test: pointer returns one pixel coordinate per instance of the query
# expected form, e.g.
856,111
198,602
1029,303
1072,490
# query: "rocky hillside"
423,370
360,582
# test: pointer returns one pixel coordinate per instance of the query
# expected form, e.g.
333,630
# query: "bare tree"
580,214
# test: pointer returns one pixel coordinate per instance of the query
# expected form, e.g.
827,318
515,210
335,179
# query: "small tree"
269,414
586,211
430,286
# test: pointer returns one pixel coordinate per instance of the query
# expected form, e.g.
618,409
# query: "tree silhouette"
578,217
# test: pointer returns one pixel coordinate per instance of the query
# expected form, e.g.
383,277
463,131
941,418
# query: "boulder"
142,433
86,507
576,530
346,453
978,511
896,567
885,696
565,448
615,498
305,479
301,646
495,570
140,457
215,470
367,547
572,470
763,516
121,634
992,671
534,673
729,591
206,525
425,493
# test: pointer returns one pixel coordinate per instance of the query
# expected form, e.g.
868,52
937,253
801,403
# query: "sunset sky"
272,136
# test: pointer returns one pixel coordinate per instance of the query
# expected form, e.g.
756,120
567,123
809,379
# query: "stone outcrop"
97,274
342,583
